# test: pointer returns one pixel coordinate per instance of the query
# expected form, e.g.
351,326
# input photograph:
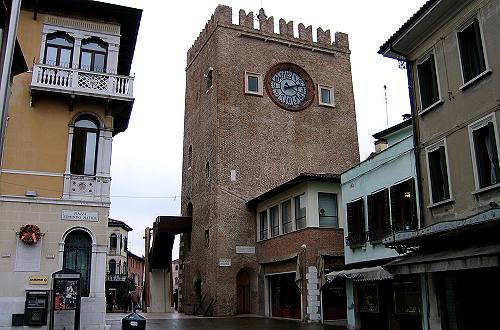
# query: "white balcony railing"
80,82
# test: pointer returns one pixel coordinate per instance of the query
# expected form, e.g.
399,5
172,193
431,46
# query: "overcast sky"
147,157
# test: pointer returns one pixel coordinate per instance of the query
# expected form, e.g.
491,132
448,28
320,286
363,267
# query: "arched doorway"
243,292
77,257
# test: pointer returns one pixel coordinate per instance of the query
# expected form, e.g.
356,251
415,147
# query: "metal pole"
304,285
9,45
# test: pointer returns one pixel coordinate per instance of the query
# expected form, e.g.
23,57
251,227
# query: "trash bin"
134,321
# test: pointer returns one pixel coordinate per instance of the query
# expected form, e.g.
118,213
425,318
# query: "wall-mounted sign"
39,280
224,262
79,216
245,249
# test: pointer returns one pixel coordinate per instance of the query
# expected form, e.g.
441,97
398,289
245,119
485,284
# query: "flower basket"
29,234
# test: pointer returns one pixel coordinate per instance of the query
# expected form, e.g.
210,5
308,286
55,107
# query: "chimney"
380,145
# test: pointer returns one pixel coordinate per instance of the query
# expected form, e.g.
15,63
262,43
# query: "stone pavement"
175,321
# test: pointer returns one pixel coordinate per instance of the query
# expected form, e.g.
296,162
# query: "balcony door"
93,55
59,50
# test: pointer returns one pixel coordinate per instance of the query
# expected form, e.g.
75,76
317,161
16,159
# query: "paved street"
227,323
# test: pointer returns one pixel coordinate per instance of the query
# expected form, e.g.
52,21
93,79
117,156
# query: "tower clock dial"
289,86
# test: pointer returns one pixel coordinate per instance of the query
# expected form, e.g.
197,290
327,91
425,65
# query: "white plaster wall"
160,291
394,165
47,216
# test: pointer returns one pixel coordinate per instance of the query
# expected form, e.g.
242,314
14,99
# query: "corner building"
55,170
242,139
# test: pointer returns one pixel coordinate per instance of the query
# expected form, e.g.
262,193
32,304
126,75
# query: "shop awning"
376,273
471,257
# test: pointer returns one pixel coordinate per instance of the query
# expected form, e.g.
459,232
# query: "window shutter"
491,133
413,209
350,220
395,210
362,228
371,224
444,172
387,212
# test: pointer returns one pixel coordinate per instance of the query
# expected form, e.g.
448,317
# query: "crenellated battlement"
223,16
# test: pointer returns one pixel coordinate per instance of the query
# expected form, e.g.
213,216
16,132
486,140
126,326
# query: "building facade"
135,265
299,239
55,178
380,199
261,108
117,271
451,49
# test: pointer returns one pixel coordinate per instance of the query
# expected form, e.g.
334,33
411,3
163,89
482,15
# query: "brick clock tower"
261,108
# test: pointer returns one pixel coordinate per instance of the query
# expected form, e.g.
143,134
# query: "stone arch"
245,285
96,116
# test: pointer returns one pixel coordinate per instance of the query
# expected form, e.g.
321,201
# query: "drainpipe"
418,169
9,46
416,140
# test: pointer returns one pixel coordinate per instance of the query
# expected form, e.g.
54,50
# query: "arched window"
93,55
112,242
59,50
84,147
112,267
77,257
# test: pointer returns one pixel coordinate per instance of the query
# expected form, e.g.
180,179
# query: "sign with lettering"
39,280
79,216
245,249
224,262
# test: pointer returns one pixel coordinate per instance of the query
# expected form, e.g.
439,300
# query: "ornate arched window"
113,242
93,55
59,50
84,147
112,267
77,257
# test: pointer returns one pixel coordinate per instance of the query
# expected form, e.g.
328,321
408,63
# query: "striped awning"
377,273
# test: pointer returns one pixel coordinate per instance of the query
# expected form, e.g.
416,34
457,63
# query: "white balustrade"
68,80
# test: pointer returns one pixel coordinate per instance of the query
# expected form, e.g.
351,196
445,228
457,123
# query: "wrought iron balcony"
80,82
356,239
377,234
116,277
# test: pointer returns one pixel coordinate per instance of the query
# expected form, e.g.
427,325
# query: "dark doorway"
334,300
243,292
285,296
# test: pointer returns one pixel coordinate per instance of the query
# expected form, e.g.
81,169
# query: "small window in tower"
207,238
253,83
207,169
190,157
325,96
209,78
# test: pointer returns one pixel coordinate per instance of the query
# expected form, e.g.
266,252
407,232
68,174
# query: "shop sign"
224,262
39,280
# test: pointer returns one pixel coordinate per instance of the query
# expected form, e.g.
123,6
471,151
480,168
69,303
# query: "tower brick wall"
262,144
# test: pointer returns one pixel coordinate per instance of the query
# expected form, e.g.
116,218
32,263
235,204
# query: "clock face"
289,86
